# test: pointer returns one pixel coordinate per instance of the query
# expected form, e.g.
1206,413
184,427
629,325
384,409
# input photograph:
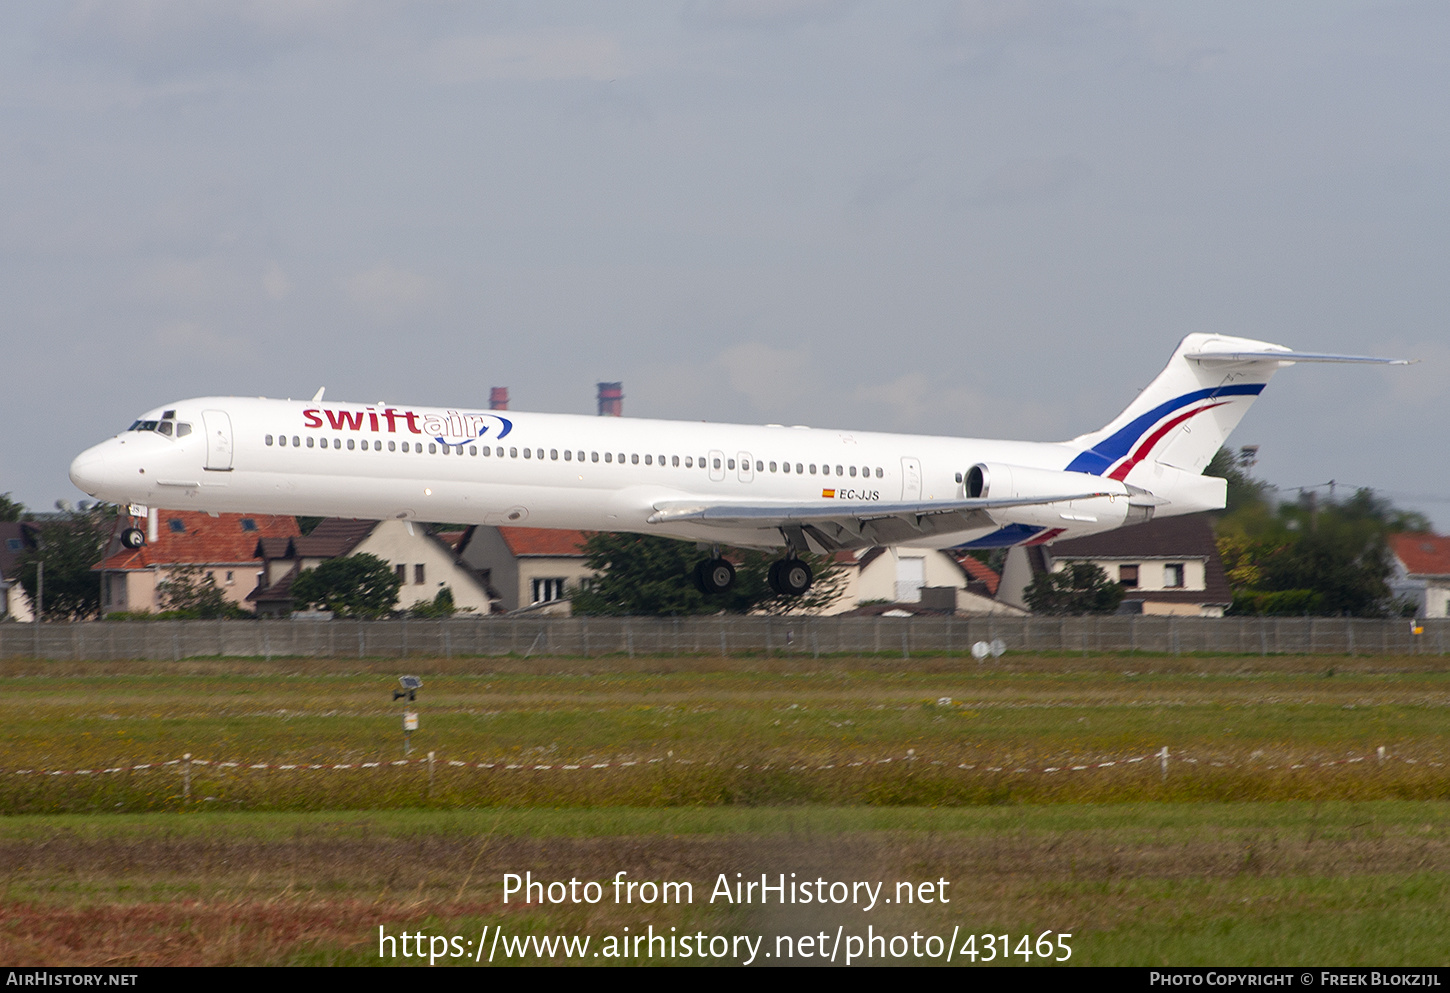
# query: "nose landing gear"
133,538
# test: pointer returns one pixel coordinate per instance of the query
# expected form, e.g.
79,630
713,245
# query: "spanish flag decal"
828,494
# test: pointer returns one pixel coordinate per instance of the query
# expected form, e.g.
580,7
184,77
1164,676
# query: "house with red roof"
425,562
531,568
223,546
1422,571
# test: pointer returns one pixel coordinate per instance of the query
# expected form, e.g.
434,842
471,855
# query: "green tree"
441,605
1313,556
189,592
69,544
1243,489
1077,588
647,575
11,510
359,585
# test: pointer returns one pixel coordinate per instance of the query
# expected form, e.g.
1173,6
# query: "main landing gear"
714,576
788,577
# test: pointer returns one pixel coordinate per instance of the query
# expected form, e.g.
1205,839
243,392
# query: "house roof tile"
189,537
1422,553
543,541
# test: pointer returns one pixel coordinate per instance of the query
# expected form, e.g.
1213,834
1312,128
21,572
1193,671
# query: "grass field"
1262,843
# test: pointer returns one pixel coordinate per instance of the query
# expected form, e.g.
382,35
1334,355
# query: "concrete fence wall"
768,636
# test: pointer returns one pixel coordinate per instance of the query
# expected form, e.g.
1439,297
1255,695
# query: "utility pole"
39,590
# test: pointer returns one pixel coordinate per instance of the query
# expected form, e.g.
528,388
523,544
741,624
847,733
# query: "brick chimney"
498,398
611,399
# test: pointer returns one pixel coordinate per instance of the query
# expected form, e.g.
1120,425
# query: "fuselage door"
218,440
910,479
717,466
746,472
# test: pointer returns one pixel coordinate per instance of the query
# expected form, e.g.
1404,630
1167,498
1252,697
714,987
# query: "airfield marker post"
1163,762
186,776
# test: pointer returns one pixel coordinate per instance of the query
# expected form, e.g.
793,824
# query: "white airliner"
719,484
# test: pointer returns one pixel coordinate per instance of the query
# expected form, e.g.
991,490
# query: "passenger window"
759,466
839,471
800,469
405,446
513,453
675,461
648,460
580,456
785,467
392,446
772,467
717,464
813,468
528,453
311,441
473,450
349,444
593,456
269,439
609,456
689,462
296,442
568,455
432,448
553,455
853,472
634,460
878,472
539,453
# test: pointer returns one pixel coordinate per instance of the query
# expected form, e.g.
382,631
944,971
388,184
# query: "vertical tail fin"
1185,414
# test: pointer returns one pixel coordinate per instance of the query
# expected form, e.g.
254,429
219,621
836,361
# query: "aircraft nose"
87,471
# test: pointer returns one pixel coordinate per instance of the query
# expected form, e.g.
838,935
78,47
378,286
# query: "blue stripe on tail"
1098,459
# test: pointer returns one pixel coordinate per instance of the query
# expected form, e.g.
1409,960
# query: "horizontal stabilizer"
1288,356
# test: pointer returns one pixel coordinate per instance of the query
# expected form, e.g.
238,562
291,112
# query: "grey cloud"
1033,180
752,14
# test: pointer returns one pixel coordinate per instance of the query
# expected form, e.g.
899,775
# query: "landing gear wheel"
714,576
790,577
133,538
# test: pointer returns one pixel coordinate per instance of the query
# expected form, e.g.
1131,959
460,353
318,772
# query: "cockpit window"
165,426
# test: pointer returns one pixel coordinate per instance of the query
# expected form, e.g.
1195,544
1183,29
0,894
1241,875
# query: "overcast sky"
979,218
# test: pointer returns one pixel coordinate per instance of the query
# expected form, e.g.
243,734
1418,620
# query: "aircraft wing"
834,524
